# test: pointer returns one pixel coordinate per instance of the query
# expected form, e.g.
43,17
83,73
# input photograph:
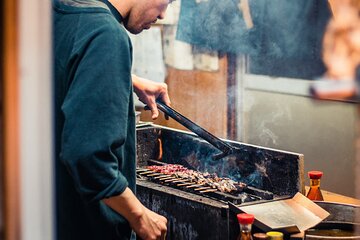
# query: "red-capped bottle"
314,191
245,223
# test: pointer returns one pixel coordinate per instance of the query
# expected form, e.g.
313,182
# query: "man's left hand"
149,91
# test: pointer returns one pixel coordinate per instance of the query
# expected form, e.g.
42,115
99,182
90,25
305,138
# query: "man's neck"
123,6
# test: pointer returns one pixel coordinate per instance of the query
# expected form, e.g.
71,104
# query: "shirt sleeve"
96,109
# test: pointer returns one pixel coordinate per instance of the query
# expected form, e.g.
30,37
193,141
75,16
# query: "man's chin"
132,29
135,31
139,30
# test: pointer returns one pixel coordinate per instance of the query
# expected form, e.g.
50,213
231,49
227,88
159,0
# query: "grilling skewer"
181,181
142,170
165,178
145,173
162,177
192,178
209,190
175,180
195,185
158,175
202,188
200,182
185,184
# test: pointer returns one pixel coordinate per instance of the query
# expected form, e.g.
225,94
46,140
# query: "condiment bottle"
274,235
314,191
259,236
245,223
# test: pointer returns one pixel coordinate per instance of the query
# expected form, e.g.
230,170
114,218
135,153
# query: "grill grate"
247,194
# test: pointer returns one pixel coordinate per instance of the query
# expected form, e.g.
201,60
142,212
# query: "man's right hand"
150,226
147,224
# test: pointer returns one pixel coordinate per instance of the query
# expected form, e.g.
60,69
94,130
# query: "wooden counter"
334,197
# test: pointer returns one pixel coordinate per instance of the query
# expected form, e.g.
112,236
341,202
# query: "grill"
199,211
241,195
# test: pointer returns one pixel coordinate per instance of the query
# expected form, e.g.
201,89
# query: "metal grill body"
205,215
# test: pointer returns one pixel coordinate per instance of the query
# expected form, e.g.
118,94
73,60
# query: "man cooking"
95,119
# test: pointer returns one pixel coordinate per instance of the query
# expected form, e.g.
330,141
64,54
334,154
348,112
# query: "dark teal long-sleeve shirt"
95,120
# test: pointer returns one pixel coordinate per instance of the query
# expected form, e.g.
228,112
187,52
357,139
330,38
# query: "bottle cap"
259,236
315,174
274,235
245,218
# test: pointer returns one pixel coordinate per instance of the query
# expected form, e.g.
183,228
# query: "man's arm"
149,91
146,223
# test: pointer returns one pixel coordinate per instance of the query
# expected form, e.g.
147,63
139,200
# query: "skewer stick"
165,178
156,174
202,188
209,190
160,176
173,180
144,173
195,185
142,170
185,184
180,181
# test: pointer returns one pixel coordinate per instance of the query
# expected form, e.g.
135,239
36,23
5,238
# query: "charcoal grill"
244,194
202,213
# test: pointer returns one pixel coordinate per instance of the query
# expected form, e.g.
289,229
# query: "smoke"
267,136
280,28
250,102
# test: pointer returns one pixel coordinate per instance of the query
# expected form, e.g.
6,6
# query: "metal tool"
225,148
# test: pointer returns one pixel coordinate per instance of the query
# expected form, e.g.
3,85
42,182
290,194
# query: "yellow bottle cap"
275,235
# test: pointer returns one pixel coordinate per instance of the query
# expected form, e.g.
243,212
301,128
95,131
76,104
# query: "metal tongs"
225,148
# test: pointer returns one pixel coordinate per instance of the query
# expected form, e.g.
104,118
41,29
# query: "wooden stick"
209,190
165,178
144,173
185,184
158,175
173,180
202,188
195,185
142,170
180,180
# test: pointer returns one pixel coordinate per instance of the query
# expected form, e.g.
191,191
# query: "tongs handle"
213,140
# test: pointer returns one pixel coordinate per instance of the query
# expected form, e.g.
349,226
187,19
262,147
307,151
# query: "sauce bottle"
259,236
274,235
245,223
314,191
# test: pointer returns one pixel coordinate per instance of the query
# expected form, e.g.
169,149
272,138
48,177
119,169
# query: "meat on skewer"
199,178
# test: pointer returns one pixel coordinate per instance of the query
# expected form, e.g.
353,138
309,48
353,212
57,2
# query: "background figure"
341,51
